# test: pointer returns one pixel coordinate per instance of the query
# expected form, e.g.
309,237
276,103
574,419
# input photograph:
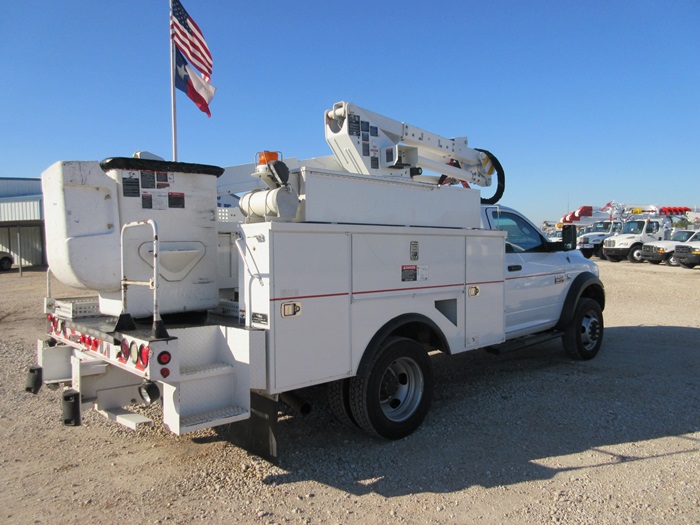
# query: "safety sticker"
412,273
130,184
176,200
148,180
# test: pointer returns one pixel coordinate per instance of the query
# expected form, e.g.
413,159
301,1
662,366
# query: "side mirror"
568,237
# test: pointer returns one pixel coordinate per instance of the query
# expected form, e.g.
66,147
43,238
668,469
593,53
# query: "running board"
523,342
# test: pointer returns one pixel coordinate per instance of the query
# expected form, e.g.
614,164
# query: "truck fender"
585,284
413,326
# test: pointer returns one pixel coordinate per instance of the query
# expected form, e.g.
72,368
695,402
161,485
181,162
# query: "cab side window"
652,227
521,235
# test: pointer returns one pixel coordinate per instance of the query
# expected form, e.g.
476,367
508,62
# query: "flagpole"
172,85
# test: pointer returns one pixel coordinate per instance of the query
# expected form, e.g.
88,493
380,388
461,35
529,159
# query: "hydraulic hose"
500,179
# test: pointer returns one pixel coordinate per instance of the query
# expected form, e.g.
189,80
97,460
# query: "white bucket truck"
636,230
591,242
346,270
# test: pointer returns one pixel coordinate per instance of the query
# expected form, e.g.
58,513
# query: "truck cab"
538,272
591,243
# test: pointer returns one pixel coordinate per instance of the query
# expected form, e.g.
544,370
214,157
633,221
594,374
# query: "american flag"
189,40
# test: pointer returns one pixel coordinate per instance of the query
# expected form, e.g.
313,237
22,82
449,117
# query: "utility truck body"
346,270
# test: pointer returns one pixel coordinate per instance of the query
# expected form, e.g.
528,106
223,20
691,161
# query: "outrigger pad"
71,408
34,380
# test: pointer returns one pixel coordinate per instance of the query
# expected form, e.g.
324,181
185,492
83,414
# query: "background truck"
664,251
591,243
688,253
347,270
636,231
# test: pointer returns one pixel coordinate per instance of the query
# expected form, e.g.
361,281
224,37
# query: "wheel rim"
401,389
590,331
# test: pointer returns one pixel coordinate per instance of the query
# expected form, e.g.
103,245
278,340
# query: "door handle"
515,268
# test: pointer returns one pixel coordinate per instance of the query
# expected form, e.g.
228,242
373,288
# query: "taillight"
163,358
124,353
144,354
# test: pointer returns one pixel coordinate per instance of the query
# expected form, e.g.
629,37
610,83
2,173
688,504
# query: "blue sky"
582,102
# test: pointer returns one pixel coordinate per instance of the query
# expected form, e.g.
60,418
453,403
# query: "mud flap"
258,433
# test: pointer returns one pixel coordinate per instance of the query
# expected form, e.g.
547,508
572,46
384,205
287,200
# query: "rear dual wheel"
391,398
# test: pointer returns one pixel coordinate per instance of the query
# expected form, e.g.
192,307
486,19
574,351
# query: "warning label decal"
412,273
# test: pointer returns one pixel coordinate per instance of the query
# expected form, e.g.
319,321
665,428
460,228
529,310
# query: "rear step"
212,418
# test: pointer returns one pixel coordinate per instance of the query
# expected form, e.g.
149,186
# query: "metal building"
22,220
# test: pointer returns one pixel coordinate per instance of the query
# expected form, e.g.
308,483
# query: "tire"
635,254
339,402
392,398
5,264
671,260
600,254
587,252
690,266
613,258
584,334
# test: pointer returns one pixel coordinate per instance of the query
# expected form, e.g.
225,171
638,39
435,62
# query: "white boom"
371,144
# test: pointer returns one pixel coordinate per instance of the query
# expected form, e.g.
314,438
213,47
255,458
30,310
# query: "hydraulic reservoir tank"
87,204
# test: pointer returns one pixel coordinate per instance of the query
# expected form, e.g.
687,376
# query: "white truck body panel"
324,290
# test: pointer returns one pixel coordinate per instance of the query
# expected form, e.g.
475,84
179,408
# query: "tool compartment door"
309,307
485,290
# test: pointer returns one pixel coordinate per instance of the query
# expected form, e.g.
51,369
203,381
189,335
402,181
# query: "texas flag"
187,80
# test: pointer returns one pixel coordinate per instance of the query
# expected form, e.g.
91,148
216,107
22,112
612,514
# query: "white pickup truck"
688,253
656,252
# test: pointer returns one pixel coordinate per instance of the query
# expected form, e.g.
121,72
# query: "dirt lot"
530,437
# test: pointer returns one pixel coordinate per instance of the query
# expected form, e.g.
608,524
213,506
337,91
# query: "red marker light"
144,354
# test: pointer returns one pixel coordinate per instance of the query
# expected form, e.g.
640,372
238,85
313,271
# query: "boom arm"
371,144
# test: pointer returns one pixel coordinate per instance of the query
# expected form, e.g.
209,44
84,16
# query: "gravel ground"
530,437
